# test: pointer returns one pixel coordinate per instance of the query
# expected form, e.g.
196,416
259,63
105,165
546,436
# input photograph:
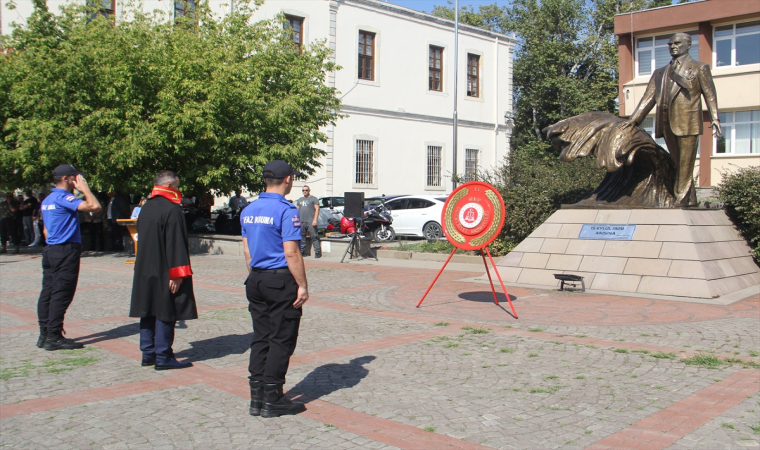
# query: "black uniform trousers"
60,274
275,323
9,231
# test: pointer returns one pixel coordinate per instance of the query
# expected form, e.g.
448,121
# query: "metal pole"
456,82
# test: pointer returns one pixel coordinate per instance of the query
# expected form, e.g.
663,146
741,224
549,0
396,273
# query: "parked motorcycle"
377,224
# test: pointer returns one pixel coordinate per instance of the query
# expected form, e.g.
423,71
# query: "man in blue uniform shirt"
60,258
276,289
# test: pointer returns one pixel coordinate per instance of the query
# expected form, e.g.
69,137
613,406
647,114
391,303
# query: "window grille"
366,55
435,72
434,166
184,8
470,164
473,75
365,170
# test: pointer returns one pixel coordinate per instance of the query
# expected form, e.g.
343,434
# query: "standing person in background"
8,226
238,203
308,209
37,223
60,259
116,210
93,223
162,291
276,289
27,208
138,208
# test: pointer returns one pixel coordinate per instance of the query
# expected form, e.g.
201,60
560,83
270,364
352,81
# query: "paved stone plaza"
576,370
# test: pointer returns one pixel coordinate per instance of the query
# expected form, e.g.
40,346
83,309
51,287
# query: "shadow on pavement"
113,333
325,380
217,347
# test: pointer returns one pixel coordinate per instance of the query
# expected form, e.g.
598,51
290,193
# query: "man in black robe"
162,291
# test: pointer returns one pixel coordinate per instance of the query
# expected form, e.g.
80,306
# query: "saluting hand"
174,285
303,295
81,184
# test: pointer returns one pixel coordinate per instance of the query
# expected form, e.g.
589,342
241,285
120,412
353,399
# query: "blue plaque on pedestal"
607,231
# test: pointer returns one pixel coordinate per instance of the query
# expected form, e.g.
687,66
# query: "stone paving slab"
30,373
186,417
377,372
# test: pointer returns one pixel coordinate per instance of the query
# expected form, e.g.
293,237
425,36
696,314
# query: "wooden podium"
132,228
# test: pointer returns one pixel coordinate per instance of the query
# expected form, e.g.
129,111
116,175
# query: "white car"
417,215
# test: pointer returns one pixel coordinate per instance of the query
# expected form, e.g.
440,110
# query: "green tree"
211,98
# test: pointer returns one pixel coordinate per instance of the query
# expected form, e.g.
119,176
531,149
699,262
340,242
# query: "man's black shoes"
41,340
173,364
56,341
276,404
257,398
148,362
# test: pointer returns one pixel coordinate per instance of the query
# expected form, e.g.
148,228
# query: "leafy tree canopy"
211,98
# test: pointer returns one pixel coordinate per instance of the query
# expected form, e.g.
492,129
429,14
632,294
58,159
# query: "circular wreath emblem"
473,215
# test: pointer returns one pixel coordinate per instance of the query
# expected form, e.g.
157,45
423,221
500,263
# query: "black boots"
56,341
257,397
42,338
276,404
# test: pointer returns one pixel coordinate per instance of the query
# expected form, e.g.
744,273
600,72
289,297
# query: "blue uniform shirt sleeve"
69,201
291,225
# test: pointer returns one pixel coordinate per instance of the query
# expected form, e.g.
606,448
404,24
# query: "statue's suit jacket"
682,92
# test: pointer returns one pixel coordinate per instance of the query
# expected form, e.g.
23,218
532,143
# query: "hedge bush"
740,191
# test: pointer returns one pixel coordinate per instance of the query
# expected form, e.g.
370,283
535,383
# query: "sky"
427,5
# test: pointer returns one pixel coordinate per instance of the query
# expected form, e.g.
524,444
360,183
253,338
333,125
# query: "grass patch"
66,364
755,428
507,326
552,377
535,330
662,355
429,429
728,425
580,377
451,345
754,353
645,335
440,339
641,350
703,360
620,350
507,350
746,364
474,330
7,373
442,324
532,355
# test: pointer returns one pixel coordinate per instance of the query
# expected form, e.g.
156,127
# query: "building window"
184,8
104,8
366,55
741,133
652,52
365,162
296,25
648,126
737,44
435,82
471,164
473,75
434,166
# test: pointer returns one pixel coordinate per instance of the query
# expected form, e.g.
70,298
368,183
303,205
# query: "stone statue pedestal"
692,252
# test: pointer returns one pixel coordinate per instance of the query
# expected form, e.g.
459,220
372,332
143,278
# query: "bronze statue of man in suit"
677,90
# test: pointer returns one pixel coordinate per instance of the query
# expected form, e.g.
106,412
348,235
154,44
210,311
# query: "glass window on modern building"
741,133
652,52
434,166
471,164
296,25
366,55
365,162
737,44
473,75
435,68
